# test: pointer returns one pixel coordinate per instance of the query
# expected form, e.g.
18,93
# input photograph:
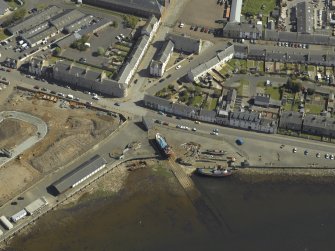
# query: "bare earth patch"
13,132
71,132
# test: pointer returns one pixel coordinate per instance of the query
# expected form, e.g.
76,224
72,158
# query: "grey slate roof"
79,173
245,116
41,35
262,100
185,43
145,6
3,7
291,120
304,18
78,24
319,125
149,25
34,20
66,18
164,52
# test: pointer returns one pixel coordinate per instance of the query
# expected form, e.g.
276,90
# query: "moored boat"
163,145
213,172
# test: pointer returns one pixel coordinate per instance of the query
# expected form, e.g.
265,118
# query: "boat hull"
211,172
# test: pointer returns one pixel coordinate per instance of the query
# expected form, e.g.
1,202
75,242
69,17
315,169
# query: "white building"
235,13
222,57
157,65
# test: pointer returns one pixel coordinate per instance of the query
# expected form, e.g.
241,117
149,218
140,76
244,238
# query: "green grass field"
314,109
255,6
273,91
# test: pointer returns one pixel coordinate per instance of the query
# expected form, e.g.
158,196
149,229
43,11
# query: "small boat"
163,145
213,172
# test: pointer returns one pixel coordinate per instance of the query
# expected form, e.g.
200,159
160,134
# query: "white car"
122,36
294,150
318,155
326,156
181,25
215,133
178,67
194,129
331,156
96,97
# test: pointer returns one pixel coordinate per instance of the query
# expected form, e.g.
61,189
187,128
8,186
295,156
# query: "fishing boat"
163,145
213,172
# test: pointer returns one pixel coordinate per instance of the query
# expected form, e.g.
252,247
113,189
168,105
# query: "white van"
69,96
21,42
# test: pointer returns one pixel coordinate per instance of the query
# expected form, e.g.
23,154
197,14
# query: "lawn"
2,34
225,70
243,82
212,103
313,108
255,6
238,63
273,91
197,101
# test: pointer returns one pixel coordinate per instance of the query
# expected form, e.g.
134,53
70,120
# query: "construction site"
72,129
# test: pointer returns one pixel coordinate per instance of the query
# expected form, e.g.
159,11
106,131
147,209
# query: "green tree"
57,51
310,91
100,51
130,21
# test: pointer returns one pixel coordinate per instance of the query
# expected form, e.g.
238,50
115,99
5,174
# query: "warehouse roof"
32,21
78,24
304,17
79,173
40,36
66,18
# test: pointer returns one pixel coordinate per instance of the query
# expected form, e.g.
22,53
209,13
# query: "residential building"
83,77
235,13
36,66
243,30
222,57
252,121
262,100
4,7
158,64
291,121
185,43
65,18
319,125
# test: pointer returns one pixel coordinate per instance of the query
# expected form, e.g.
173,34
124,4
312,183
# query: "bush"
80,43
16,16
130,21
57,51
100,51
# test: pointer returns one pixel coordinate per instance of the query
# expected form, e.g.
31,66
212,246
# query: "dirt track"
71,132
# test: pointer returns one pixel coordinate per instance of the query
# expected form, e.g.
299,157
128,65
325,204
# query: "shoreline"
118,179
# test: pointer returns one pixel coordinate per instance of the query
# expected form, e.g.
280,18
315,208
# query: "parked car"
178,67
294,150
215,133
117,104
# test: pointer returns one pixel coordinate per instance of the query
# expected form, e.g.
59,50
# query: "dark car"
53,92
202,29
161,80
196,28
36,87
117,104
